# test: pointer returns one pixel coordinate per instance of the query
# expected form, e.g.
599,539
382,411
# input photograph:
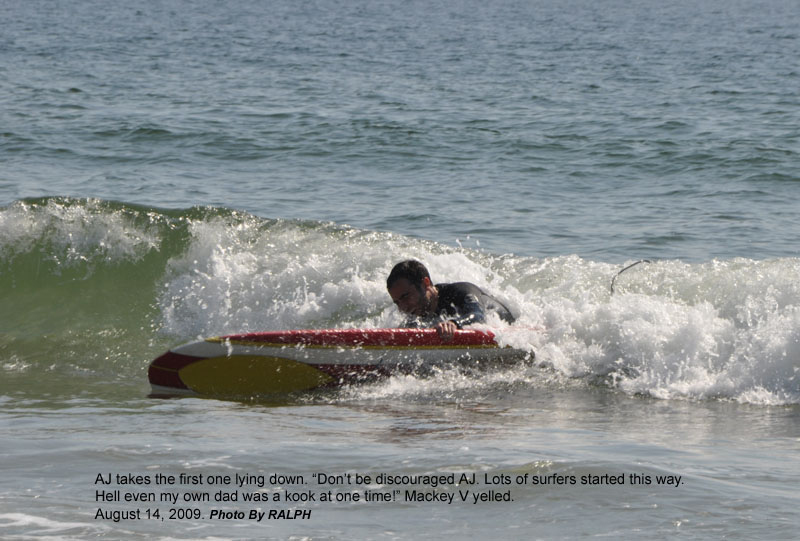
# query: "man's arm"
471,311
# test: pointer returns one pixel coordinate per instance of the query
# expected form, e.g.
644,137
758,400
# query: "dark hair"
411,270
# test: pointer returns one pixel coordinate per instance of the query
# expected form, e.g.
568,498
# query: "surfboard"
300,360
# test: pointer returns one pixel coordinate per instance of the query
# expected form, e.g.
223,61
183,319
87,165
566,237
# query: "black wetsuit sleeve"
465,304
461,303
470,311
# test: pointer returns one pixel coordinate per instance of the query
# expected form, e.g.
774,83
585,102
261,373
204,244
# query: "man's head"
411,289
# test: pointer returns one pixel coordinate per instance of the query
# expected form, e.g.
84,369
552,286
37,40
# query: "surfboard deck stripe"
366,337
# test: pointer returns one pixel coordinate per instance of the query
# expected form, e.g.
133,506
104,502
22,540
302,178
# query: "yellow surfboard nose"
251,374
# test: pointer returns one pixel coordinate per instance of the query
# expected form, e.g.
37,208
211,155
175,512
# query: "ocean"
177,169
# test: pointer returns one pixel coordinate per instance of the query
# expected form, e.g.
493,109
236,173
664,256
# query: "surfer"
445,307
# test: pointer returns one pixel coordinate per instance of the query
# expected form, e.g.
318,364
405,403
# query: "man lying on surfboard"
445,307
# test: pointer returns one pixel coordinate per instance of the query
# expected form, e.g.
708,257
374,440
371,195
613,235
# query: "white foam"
251,278
45,528
15,364
724,329
445,383
74,232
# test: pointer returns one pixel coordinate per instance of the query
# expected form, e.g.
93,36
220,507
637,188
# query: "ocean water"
178,169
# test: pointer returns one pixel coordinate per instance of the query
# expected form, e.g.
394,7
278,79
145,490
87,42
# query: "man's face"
410,299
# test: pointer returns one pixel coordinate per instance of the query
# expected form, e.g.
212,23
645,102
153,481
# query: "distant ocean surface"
178,169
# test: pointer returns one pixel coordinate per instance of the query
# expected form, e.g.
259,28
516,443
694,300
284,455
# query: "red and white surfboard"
287,361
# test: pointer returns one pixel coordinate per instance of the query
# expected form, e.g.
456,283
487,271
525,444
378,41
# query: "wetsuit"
464,304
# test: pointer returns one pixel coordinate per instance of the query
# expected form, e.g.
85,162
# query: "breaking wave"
102,287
